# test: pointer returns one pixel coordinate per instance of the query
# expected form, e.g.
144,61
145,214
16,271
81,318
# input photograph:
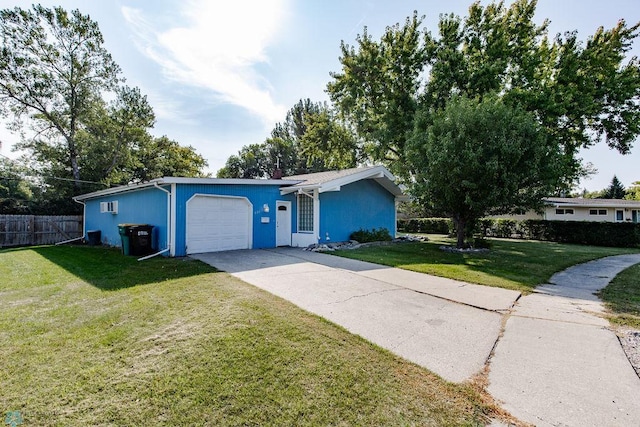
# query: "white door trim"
283,231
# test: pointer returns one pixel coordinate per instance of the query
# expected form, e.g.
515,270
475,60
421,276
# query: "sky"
220,74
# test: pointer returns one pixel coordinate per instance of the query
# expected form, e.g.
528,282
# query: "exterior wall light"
265,208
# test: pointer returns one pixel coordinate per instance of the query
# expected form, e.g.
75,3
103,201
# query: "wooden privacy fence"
27,230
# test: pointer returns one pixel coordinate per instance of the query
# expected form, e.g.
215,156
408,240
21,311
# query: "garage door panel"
216,223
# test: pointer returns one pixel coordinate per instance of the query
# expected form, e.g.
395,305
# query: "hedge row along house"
195,215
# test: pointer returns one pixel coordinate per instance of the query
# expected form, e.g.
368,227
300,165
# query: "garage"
218,223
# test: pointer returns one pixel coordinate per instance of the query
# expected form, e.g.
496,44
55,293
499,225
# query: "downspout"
84,224
169,242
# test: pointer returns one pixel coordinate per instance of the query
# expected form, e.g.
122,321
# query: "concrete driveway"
557,363
446,326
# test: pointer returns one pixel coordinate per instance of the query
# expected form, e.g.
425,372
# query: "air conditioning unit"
109,207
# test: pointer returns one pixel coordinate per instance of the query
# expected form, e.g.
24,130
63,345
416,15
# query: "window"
597,211
305,214
109,207
564,211
619,215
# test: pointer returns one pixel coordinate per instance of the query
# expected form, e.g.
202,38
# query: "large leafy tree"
477,158
581,93
16,192
633,192
53,69
81,128
311,139
379,87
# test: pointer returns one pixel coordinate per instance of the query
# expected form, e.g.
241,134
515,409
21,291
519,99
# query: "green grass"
90,337
622,297
511,264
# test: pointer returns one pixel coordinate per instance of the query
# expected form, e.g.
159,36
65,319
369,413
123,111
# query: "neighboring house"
194,215
579,209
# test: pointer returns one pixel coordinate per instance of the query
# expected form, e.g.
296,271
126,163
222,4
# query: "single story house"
579,209
195,215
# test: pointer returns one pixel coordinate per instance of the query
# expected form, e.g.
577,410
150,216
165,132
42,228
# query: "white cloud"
218,49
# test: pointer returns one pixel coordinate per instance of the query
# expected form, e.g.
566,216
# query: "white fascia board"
227,181
328,189
298,189
116,190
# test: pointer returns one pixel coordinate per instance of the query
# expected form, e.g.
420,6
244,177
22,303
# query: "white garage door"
218,223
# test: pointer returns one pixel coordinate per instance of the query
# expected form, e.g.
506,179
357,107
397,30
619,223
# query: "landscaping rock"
630,340
354,244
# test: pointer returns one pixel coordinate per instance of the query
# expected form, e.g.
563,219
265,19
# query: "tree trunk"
460,231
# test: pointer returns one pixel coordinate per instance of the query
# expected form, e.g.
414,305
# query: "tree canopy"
481,157
311,139
64,94
581,93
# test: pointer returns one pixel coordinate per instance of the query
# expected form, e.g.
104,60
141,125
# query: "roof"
323,181
580,202
333,180
181,180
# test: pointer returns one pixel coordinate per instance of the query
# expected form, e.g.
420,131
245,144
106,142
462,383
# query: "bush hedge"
614,234
374,235
426,225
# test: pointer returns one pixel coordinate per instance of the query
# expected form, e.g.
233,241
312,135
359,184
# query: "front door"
283,223
634,216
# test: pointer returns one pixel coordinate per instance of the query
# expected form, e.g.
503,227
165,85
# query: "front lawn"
622,297
511,264
90,337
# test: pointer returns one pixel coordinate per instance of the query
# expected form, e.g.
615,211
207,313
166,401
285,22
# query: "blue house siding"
145,206
264,234
364,204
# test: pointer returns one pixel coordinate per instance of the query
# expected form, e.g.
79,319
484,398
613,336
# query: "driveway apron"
446,326
558,363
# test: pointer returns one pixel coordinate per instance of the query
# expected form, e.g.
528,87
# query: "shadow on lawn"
109,270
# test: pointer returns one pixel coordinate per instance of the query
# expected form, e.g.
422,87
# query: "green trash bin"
123,229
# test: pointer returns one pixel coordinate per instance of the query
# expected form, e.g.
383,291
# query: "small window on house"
282,208
619,215
564,211
602,211
593,211
305,213
109,207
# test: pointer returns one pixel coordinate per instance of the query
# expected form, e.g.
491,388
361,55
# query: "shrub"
373,235
425,225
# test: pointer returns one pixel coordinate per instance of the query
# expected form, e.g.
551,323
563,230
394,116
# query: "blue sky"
220,74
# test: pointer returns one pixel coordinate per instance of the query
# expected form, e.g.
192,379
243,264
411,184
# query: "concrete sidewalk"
558,363
449,327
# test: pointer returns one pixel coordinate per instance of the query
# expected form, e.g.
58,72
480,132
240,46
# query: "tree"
615,190
481,157
55,82
633,192
16,192
580,93
311,139
159,157
378,88
53,68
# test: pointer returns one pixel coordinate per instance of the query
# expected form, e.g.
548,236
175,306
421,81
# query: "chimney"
277,174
